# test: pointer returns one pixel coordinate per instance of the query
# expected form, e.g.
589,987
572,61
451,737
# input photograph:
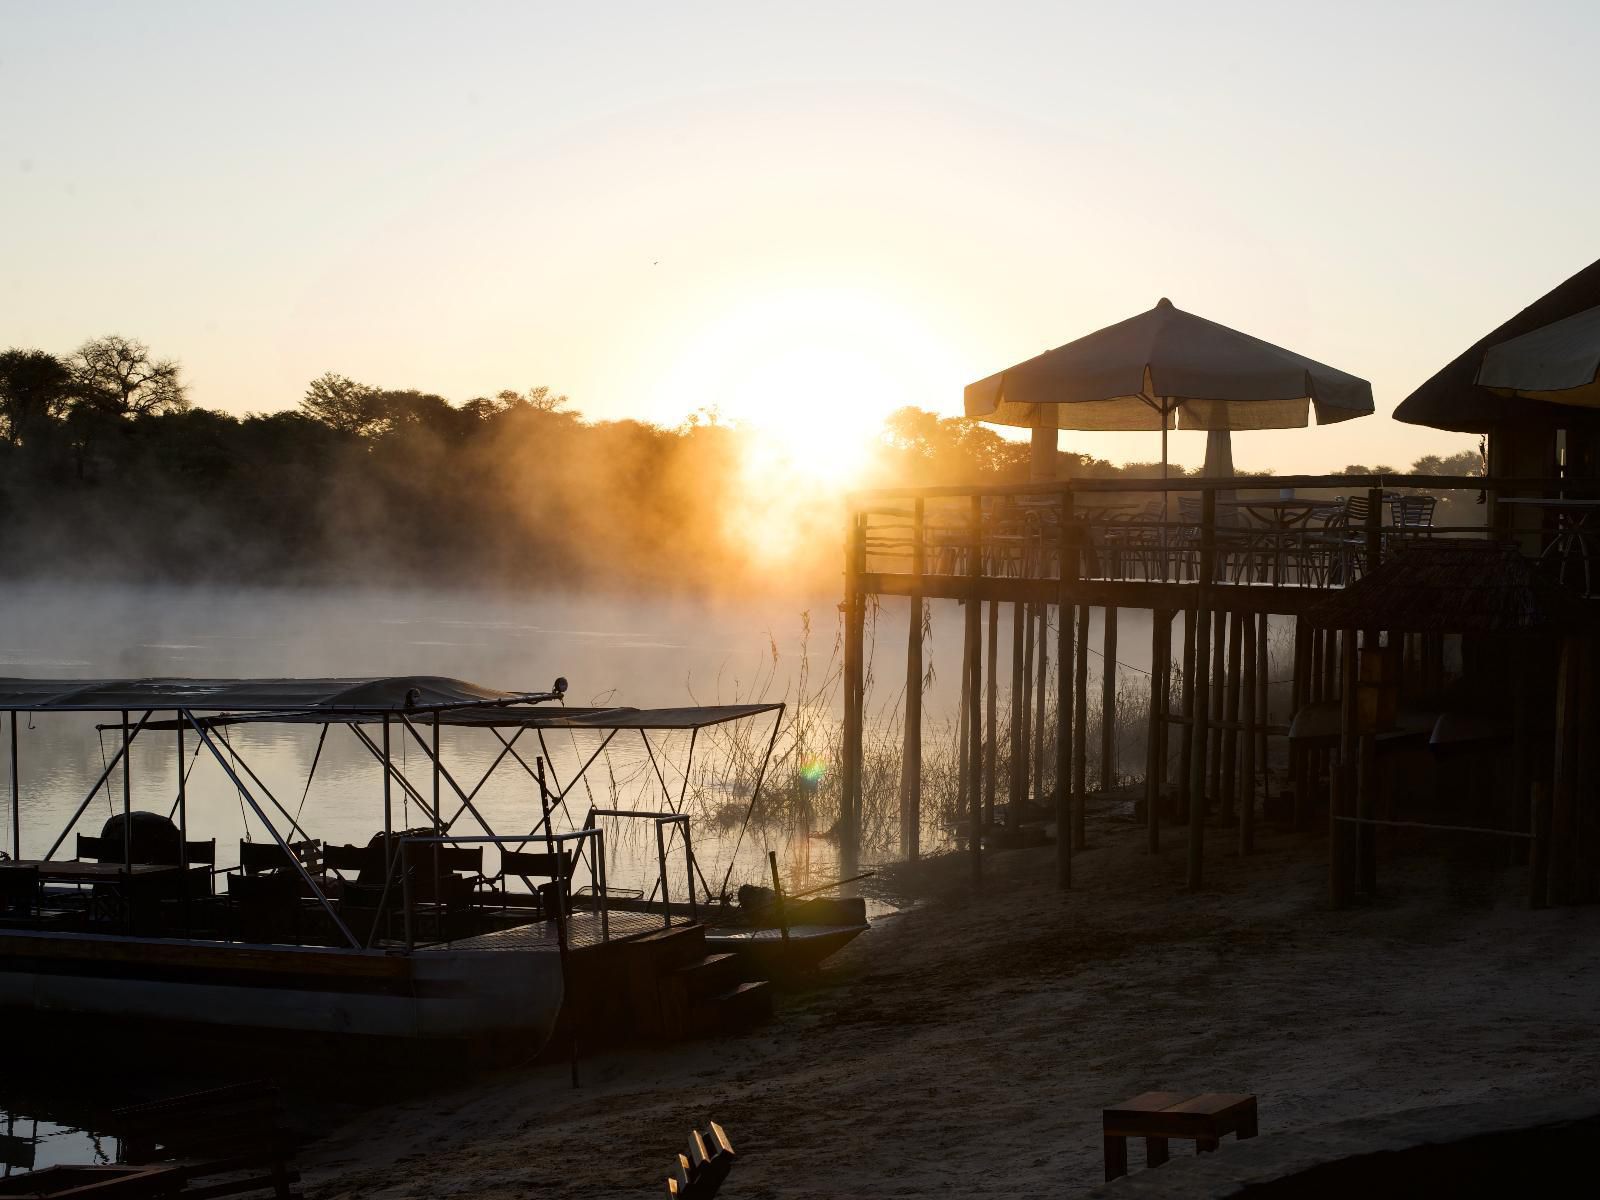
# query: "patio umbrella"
1168,368
1559,362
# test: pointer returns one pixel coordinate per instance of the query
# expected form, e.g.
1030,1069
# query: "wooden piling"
1198,731
854,688
1563,799
1160,632
911,748
1263,677
1108,701
1299,758
1341,778
1080,732
1218,660
1229,783
1041,662
1025,744
1250,653
1068,574
1019,673
1186,739
991,747
975,697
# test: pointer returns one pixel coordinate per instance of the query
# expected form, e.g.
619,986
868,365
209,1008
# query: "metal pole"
183,826
206,740
661,864
95,791
16,801
388,793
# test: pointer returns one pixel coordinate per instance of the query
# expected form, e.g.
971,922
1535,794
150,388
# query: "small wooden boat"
781,953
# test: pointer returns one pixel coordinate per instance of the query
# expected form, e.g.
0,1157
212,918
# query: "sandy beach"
967,1045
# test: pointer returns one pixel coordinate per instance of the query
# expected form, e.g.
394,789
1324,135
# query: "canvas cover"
1168,366
1558,362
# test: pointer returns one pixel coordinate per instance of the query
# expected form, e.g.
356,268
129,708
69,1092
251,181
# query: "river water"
614,649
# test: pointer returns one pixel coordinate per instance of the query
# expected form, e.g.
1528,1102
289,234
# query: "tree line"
107,470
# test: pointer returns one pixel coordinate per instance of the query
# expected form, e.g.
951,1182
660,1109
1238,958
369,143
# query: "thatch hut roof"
1452,399
1455,586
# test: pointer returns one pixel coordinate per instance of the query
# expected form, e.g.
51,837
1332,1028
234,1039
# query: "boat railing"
663,822
590,843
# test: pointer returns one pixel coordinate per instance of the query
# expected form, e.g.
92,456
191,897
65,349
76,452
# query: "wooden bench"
1160,1116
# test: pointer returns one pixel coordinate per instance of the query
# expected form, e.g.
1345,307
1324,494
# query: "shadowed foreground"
969,1045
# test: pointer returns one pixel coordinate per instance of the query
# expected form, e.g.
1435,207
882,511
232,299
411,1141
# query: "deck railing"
1286,532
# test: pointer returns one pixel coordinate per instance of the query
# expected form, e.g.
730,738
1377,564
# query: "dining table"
1573,533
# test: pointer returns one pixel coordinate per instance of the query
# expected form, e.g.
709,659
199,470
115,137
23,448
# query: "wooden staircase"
662,986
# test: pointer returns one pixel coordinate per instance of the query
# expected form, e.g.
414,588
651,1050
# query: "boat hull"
438,994
767,954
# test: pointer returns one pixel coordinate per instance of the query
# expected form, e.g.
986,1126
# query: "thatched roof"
1455,586
1452,399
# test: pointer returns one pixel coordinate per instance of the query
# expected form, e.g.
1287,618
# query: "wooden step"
687,986
737,1008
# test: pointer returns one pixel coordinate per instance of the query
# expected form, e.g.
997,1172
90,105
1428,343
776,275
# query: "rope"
244,819
105,766
315,759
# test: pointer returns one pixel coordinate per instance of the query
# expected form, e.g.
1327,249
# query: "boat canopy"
310,697
490,716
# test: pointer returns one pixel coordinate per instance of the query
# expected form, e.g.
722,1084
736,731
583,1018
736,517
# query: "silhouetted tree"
117,374
35,390
341,403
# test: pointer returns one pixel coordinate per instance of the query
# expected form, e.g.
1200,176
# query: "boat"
424,934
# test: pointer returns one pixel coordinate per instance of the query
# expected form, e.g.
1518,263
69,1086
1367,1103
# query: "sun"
810,373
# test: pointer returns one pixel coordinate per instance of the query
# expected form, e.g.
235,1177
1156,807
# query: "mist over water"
628,650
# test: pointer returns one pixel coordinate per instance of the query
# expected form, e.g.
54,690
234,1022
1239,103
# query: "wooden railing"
1290,533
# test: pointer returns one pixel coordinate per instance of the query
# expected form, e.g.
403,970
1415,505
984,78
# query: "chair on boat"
554,866
264,907
256,858
19,893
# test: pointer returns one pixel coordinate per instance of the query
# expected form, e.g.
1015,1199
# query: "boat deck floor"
584,929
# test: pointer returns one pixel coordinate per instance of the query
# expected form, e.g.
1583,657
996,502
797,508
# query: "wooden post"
1250,654
1563,806
1539,856
911,755
1160,633
975,696
1299,770
1019,672
1263,677
1215,710
1108,701
854,687
991,748
1068,573
1186,730
1197,762
1341,777
1026,743
1230,714
964,767
1080,733
1374,528
1041,662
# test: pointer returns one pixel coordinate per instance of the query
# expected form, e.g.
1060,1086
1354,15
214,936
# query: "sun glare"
811,373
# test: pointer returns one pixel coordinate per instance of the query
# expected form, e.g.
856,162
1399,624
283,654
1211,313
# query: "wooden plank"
1197,765
1216,710
975,699
911,751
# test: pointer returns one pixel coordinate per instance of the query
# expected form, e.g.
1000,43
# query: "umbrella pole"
1162,409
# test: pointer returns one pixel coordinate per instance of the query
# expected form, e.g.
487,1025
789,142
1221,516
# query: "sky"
797,216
